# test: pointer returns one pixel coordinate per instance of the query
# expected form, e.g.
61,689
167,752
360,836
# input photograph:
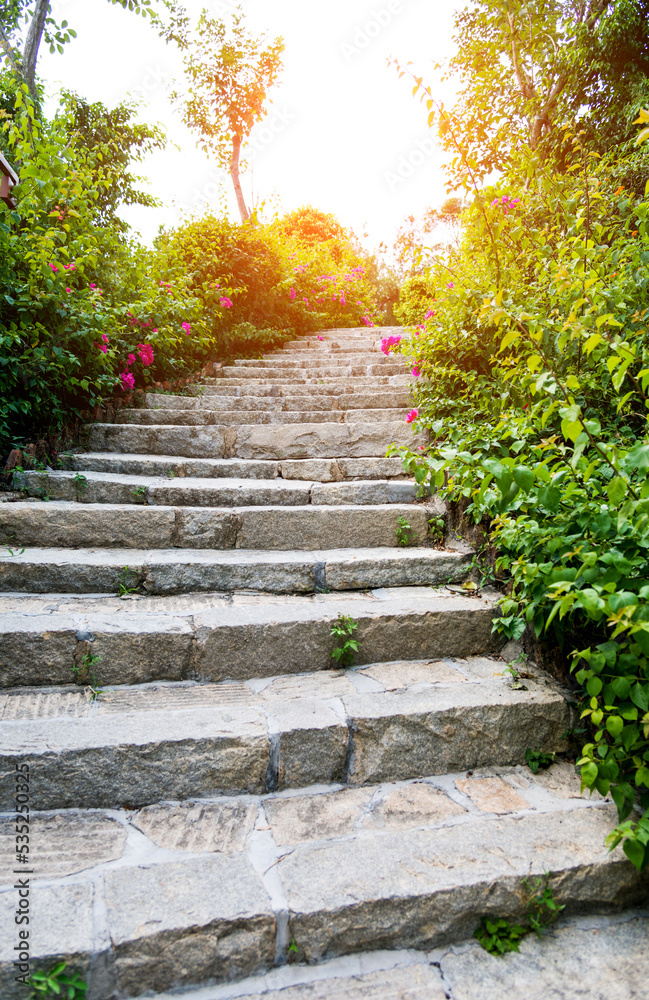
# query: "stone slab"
141,757
606,961
441,729
97,840
492,795
187,923
198,827
424,888
412,982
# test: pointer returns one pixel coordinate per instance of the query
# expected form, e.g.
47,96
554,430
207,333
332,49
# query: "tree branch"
34,36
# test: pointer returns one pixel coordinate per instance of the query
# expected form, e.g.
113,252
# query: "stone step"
217,637
215,890
276,441
205,417
70,524
318,360
321,470
290,373
320,388
178,570
377,400
384,722
190,491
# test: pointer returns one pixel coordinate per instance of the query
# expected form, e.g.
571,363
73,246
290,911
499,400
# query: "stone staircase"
215,805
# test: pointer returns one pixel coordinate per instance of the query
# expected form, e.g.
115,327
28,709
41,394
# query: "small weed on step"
344,628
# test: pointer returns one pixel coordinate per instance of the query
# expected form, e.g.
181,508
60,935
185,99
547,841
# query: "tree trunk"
34,35
234,174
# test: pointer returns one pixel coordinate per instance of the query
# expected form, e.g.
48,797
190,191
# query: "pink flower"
68,290
494,203
429,314
320,338
54,268
69,267
416,372
306,300
104,337
226,302
292,293
343,300
388,342
412,416
100,347
187,327
367,320
128,381
146,354
131,359
451,284
91,284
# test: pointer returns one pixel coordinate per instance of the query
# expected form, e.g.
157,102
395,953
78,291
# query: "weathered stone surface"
404,673
198,827
492,795
329,527
412,805
423,888
366,493
47,704
321,440
36,649
304,818
193,442
76,524
141,757
360,569
437,730
313,742
62,844
607,961
562,780
295,638
164,465
208,919
61,928
412,982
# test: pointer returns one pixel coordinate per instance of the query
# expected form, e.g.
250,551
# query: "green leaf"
616,490
523,477
635,852
614,725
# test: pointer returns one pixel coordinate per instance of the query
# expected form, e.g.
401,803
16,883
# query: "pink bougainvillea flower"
130,360
68,290
306,300
94,286
494,203
367,320
343,300
429,314
187,328
100,347
320,338
226,302
104,337
412,416
146,354
416,372
451,284
388,342
128,380
292,293
54,268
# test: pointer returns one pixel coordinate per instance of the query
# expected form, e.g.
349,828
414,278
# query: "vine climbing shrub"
534,383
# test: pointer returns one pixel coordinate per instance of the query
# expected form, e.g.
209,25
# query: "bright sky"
343,134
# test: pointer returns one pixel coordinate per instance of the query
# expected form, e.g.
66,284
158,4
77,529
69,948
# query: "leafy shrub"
535,378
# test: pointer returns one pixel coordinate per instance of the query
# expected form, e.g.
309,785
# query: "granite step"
292,373
384,722
180,570
254,441
318,360
315,388
71,524
215,637
303,402
218,889
202,491
204,416
321,470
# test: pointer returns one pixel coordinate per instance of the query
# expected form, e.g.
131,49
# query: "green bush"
535,381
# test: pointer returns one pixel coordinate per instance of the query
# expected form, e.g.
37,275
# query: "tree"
528,68
230,75
36,16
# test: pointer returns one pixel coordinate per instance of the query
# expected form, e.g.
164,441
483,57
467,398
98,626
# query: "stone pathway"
231,805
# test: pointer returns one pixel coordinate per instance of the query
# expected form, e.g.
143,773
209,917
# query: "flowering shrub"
537,364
